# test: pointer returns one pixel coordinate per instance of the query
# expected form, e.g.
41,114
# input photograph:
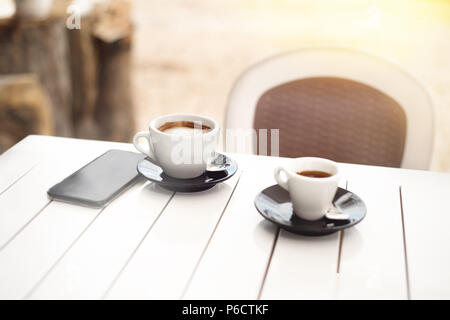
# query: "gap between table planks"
89,267
234,263
427,217
373,259
166,258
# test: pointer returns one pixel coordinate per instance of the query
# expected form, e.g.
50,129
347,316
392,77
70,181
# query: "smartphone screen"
100,181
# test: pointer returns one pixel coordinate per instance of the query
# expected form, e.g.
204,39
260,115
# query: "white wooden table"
153,243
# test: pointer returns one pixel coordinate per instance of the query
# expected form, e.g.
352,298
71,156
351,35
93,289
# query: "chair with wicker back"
339,104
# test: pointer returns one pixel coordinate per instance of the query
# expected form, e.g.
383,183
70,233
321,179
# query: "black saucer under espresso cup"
274,204
221,168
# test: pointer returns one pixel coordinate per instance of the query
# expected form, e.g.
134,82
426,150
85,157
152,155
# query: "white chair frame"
343,63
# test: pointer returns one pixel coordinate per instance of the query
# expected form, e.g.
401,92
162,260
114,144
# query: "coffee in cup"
314,174
311,183
181,144
184,127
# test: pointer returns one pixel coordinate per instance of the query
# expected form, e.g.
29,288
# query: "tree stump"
86,72
41,47
25,109
113,111
101,63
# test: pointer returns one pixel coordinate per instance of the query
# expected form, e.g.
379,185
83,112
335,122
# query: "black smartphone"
100,181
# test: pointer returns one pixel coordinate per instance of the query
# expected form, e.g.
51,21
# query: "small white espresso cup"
311,197
181,155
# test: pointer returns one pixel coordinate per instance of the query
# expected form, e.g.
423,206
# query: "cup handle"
278,178
148,151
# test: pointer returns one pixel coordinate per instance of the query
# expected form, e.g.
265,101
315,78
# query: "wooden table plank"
22,201
372,259
303,268
28,196
165,260
16,162
235,262
26,259
427,217
91,265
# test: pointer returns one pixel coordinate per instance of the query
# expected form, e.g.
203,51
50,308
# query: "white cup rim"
152,125
293,173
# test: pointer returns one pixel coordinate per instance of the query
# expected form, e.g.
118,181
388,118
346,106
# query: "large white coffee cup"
182,154
311,197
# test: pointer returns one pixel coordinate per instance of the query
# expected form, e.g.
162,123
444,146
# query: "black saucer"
209,179
275,205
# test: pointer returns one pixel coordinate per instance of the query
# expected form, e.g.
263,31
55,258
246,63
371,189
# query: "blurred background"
134,60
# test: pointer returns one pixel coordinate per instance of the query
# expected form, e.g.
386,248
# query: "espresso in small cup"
314,174
180,144
311,183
